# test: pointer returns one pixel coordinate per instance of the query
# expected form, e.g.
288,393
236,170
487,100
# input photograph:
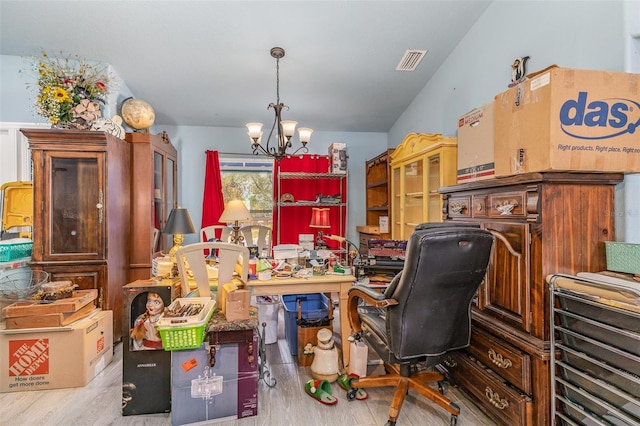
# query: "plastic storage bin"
623,257
268,307
15,249
313,306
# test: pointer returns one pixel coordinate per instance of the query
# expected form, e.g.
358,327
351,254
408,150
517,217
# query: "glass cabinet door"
433,183
396,204
164,194
413,196
158,218
75,207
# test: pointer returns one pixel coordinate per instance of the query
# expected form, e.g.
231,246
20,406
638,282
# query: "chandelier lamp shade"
283,129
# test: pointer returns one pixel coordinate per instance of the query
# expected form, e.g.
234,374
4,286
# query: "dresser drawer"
510,204
459,207
479,206
505,360
500,401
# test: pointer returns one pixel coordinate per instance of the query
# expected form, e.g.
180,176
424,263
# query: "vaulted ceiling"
207,63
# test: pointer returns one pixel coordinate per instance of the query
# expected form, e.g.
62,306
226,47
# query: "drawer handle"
495,400
450,362
498,359
458,207
505,207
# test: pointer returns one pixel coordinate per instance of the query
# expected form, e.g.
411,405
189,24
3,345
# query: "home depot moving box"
475,145
56,357
569,119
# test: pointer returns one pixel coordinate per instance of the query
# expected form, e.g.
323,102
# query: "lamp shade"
235,210
319,218
179,222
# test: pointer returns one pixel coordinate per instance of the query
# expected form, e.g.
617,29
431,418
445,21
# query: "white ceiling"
207,63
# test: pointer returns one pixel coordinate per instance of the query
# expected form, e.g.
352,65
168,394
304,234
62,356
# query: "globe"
138,114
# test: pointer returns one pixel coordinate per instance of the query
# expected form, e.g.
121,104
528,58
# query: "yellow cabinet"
420,165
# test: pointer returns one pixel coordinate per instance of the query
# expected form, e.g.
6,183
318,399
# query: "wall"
602,35
192,142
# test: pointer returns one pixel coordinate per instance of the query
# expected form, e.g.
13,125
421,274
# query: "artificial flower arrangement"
69,90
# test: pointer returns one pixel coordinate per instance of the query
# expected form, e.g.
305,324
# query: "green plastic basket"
623,257
191,333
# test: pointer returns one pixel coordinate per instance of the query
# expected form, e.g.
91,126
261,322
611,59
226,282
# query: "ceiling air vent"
410,60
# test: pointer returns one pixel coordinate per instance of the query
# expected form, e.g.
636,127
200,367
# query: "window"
249,179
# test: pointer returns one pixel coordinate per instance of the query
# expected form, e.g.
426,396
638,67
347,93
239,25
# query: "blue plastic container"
313,306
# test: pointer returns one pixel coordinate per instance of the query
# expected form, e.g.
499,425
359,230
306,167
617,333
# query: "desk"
316,284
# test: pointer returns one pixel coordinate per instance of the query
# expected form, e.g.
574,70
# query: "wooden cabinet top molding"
71,138
539,177
415,144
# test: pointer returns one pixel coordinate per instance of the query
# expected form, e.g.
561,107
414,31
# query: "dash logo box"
53,358
569,119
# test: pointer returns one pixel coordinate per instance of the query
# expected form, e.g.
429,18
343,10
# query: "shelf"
378,209
301,175
309,204
378,183
414,194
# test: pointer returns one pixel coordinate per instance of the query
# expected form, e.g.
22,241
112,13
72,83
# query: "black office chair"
425,312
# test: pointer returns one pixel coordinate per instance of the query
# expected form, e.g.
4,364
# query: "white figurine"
111,125
325,361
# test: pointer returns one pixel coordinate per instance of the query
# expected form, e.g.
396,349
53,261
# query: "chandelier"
284,128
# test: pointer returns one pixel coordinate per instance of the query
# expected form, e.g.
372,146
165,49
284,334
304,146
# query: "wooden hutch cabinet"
378,196
154,192
544,223
420,165
81,216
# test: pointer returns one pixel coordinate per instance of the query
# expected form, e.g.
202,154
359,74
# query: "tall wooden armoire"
81,215
154,192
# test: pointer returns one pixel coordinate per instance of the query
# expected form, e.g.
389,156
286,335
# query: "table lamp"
320,219
234,212
352,254
178,224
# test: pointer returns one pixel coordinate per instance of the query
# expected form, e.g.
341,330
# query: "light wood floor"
99,403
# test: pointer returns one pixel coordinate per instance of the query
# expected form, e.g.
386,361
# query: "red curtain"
294,220
212,200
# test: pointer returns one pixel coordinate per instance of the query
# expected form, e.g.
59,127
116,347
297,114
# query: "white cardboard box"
338,158
56,357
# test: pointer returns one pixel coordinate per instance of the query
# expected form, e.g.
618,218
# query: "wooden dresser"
545,223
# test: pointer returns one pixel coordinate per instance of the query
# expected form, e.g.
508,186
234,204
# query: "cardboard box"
475,145
569,119
228,391
237,305
306,241
338,158
56,357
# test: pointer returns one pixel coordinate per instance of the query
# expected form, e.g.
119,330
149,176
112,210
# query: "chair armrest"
370,296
